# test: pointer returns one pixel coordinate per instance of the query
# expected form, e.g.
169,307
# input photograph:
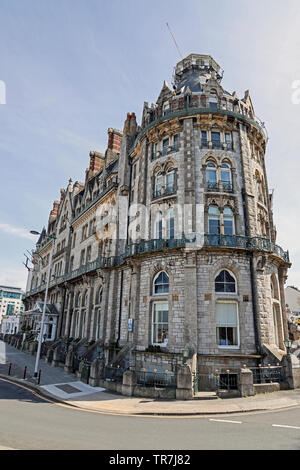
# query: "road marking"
226,421
285,426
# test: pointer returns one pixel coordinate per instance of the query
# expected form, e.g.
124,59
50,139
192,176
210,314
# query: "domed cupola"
194,71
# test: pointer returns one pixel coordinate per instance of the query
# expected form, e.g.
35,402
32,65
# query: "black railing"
226,381
113,374
156,379
269,374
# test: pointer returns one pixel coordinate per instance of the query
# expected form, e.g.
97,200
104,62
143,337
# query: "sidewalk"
66,388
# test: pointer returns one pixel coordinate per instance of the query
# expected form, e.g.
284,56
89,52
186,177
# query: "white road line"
226,421
285,426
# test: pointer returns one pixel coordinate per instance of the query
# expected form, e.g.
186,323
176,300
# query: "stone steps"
206,396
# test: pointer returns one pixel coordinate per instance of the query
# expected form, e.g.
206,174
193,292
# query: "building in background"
292,298
166,253
11,308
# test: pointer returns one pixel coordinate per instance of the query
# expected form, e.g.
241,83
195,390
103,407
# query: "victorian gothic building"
167,252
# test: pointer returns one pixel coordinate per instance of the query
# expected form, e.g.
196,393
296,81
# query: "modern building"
11,307
167,251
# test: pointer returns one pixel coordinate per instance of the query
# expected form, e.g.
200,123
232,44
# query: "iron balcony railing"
214,186
148,246
164,192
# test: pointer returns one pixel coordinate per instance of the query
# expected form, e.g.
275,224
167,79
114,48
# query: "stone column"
129,382
96,372
245,383
184,390
291,368
190,333
69,361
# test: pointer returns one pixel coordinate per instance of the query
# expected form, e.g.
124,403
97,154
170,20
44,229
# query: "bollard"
25,369
9,368
39,377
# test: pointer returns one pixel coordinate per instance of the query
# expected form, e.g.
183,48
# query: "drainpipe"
122,272
252,272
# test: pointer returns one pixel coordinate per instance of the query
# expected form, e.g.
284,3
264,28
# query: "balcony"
149,246
164,192
222,187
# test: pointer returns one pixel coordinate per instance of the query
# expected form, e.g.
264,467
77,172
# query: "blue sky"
74,68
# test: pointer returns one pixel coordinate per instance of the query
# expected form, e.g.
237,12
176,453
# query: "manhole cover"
68,388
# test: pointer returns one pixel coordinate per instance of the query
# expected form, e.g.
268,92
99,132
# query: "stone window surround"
208,142
159,146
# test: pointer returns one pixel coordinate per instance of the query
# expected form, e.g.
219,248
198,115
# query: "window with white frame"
227,324
160,323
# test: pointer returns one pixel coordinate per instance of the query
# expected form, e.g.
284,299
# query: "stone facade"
166,255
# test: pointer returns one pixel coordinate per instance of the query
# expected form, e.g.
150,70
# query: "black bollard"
25,369
39,377
9,368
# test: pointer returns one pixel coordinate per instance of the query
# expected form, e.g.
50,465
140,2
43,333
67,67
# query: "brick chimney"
114,144
54,211
130,125
96,163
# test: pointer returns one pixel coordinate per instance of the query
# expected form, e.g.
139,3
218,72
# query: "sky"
70,69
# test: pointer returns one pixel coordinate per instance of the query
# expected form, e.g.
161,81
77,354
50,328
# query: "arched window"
99,296
213,220
170,181
170,224
85,299
77,300
159,233
213,100
228,221
211,175
161,283
225,282
158,184
226,176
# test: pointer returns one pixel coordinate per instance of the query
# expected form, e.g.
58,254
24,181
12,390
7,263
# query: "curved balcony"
151,246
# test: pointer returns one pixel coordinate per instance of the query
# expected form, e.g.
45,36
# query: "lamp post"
288,344
40,339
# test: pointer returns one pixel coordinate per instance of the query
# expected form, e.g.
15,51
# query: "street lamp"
40,338
288,344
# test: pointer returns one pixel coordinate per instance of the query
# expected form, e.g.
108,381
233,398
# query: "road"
28,422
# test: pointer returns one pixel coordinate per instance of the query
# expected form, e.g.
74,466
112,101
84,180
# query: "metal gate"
204,382
85,372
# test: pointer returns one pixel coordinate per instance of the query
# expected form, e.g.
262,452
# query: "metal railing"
226,381
156,379
113,374
269,374
147,246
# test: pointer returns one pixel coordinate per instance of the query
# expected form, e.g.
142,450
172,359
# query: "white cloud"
19,232
13,277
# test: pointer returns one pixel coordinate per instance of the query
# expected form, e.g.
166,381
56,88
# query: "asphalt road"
28,422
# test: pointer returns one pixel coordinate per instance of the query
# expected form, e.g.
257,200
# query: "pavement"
64,388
